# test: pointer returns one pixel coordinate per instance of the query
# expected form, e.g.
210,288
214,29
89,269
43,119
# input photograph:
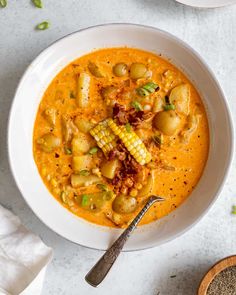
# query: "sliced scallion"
233,209
136,105
128,127
85,200
169,107
38,3
84,172
93,150
43,26
102,187
3,3
158,140
68,151
147,89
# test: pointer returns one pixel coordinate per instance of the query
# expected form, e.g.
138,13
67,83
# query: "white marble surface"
212,33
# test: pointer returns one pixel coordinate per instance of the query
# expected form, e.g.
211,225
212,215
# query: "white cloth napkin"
23,257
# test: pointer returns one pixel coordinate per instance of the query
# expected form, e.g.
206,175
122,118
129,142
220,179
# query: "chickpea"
167,122
120,69
137,71
124,204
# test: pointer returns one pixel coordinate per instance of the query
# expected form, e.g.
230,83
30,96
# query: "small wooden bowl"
217,268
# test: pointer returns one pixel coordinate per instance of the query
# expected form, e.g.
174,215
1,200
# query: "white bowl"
27,98
207,3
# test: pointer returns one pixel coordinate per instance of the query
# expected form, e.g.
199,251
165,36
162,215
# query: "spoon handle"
97,274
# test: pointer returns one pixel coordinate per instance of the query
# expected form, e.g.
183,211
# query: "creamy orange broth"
179,163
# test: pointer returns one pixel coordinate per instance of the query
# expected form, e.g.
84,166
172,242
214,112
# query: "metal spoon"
97,274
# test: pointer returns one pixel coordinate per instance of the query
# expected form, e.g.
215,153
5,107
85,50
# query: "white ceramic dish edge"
215,81
207,3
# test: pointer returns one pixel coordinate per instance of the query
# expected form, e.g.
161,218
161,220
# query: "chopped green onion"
151,87
142,92
102,187
68,151
3,3
43,26
38,3
169,107
84,172
136,105
93,150
63,197
147,89
85,200
72,95
128,127
233,209
158,139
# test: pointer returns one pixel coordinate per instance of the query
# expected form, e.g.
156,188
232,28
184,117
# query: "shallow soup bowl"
25,105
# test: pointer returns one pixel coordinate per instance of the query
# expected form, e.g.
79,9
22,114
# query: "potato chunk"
81,163
50,115
48,142
80,144
81,180
147,189
68,128
83,125
180,97
83,85
108,168
124,204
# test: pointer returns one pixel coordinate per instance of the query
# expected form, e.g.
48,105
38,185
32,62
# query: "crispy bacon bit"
120,114
124,179
119,152
131,116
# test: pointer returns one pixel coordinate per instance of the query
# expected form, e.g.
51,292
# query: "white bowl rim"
206,4
229,117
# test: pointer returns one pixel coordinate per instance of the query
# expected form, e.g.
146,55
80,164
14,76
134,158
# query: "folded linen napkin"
23,256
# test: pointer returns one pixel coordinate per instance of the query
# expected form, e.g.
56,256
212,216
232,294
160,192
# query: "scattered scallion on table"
233,210
43,26
38,3
3,3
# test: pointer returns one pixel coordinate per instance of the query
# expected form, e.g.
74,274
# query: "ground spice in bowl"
224,283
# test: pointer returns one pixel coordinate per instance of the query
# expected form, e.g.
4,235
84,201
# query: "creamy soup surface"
116,126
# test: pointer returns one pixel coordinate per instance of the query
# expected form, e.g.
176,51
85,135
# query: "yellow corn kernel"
138,186
133,193
132,142
104,136
54,182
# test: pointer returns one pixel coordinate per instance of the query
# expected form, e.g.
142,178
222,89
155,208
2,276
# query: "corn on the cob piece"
132,142
104,136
